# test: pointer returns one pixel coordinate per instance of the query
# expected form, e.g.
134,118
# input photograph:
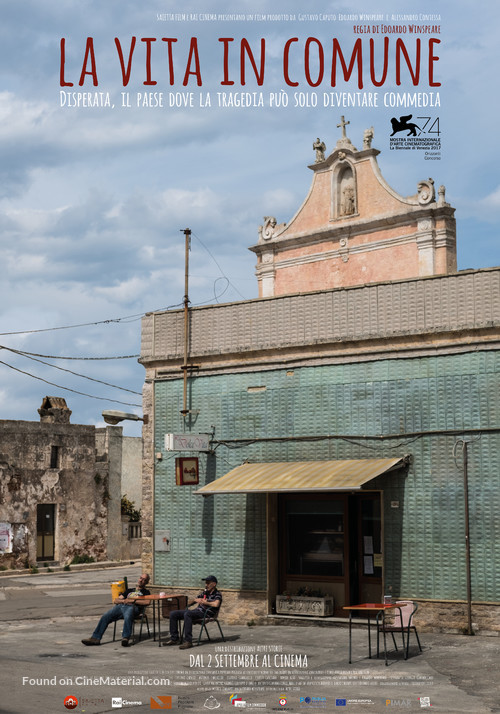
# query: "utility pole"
187,234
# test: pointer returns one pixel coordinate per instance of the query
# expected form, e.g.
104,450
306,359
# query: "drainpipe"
467,543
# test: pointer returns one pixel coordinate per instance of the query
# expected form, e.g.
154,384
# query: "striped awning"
281,477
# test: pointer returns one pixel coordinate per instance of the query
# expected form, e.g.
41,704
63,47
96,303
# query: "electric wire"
89,359
127,318
130,318
76,374
217,264
67,389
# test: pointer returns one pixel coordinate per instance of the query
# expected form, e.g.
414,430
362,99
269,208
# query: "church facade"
353,228
345,412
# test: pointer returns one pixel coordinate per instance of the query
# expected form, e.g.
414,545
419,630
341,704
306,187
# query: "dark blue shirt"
208,598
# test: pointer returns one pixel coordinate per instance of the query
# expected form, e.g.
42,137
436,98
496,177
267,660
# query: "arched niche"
345,195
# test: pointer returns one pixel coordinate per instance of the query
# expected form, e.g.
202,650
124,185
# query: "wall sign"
186,471
162,541
187,442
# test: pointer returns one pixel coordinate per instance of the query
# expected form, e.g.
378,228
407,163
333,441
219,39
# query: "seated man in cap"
207,601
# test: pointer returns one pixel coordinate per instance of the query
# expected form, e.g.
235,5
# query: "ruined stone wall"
76,485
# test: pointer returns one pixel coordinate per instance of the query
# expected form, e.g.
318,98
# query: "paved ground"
42,662
49,595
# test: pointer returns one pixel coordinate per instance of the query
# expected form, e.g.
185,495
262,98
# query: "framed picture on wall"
186,471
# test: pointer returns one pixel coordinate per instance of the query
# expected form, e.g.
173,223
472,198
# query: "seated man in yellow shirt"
124,607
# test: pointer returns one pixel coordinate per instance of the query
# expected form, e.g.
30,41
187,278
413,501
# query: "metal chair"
203,622
402,623
141,617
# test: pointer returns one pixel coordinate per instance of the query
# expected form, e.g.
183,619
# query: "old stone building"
60,489
338,412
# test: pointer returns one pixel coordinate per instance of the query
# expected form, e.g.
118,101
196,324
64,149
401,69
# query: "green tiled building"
393,387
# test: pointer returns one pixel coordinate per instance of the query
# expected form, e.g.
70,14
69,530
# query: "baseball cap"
210,579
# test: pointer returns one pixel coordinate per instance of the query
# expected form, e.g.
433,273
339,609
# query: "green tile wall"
424,537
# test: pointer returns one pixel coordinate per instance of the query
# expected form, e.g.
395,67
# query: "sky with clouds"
93,199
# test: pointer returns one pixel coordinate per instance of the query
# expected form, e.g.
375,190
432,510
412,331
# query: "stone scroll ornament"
267,230
426,192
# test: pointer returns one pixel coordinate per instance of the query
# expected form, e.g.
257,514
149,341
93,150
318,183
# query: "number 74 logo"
423,123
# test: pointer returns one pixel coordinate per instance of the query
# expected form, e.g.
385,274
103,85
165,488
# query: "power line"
76,374
129,318
89,359
217,264
126,319
67,389
64,327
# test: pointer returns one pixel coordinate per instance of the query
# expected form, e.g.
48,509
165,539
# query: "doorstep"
329,621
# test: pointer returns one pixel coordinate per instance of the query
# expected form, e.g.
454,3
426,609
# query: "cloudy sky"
93,199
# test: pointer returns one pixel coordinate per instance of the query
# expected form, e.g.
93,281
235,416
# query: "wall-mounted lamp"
114,417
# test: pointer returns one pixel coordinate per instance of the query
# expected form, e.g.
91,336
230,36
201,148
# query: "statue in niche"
347,204
320,148
346,192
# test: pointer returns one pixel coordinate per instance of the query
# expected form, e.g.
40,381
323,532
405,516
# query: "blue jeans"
189,616
127,612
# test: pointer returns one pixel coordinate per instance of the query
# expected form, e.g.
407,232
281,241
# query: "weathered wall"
351,324
77,487
109,455
132,469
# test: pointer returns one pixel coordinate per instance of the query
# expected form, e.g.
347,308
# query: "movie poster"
124,123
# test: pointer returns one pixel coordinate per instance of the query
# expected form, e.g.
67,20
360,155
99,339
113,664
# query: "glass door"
366,546
313,544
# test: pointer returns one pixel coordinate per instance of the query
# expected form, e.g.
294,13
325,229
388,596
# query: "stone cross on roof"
343,124
344,142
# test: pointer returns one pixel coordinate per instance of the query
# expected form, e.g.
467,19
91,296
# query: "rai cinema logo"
71,702
161,702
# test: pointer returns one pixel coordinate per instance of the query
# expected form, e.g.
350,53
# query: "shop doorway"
331,543
45,522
